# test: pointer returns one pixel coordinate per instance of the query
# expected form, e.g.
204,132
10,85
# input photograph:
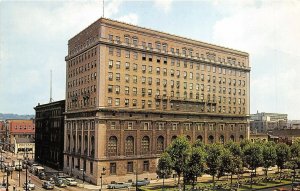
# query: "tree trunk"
213,182
267,174
178,178
231,180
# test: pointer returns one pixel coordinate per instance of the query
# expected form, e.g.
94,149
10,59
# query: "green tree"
179,152
244,143
253,156
199,143
227,164
196,164
213,160
164,167
295,150
269,157
236,152
283,155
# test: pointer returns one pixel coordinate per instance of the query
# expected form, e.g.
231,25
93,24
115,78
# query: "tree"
199,143
283,155
213,160
253,156
179,152
269,157
295,150
227,164
244,143
236,152
164,167
196,164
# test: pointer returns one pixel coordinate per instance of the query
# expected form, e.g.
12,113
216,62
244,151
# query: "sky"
34,37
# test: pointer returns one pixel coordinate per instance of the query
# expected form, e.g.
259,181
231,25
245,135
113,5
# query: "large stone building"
131,91
49,134
263,122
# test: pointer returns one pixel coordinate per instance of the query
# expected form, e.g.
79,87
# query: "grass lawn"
224,183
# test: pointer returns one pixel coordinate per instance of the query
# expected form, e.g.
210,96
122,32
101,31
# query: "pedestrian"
14,188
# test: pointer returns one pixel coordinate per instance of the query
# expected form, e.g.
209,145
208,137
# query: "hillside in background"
4,116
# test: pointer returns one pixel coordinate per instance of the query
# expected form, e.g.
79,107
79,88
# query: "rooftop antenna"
103,8
51,86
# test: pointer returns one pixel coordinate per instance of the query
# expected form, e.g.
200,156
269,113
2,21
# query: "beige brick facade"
131,90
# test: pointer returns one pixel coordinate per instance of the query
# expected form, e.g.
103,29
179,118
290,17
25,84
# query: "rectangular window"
91,168
130,125
127,65
118,63
146,166
113,168
118,52
117,101
126,102
129,167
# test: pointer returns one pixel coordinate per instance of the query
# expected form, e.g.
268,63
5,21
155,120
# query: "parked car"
50,179
48,185
30,185
60,183
141,182
71,182
118,185
42,176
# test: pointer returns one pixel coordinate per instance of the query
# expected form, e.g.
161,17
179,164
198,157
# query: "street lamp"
102,174
20,168
136,180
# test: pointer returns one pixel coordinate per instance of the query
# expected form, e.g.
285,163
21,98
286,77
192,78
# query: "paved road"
288,187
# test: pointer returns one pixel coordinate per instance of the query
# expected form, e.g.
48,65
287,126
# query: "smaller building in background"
50,134
288,136
18,128
24,147
264,122
293,124
2,132
256,137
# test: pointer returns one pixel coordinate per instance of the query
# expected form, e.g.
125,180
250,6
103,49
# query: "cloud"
33,40
131,18
165,5
270,32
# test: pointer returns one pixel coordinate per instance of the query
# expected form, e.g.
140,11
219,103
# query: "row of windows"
84,56
130,166
176,106
82,80
82,69
175,51
164,60
83,91
198,87
113,144
80,103
129,125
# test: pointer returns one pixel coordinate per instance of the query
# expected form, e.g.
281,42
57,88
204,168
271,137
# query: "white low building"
24,147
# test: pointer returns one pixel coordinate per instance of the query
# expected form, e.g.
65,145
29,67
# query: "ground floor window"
113,168
129,167
91,168
146,165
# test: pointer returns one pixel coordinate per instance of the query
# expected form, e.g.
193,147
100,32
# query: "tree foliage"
164,167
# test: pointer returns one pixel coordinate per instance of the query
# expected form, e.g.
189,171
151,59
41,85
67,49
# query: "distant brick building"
19,128
49,142
2,132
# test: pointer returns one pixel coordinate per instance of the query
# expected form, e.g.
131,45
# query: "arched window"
188,138
129,145
241,137
112,146
222,139
85,144
145,144
232,138
92,146
200,138
173,138
160,145
211,139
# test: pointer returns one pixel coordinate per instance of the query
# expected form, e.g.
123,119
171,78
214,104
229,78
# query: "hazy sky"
34,36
